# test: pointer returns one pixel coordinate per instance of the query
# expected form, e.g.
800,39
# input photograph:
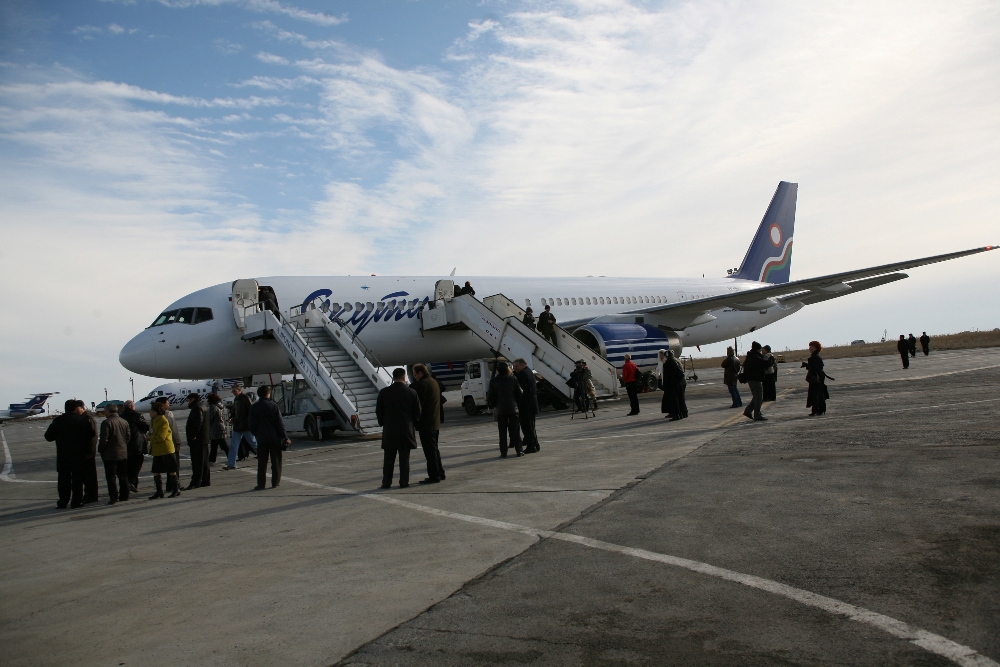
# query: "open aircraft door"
444,289
244,300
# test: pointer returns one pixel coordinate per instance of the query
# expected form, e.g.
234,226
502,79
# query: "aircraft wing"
684,314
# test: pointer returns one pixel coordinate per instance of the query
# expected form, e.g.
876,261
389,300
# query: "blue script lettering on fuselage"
359,319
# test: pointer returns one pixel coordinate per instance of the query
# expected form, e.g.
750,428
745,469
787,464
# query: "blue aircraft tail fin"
769,258
36,401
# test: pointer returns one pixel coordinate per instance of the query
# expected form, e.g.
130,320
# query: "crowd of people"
403,411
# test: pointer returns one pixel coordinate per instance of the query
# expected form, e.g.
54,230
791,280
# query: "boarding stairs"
497,321
332,361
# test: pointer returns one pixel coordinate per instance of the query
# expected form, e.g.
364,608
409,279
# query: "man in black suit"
266,425
398,411
72,433
903,347
429,426
527,405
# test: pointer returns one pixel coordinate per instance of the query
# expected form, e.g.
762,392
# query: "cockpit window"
168,317
183,316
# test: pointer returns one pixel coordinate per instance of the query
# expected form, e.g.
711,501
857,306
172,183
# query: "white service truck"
303,411
478,374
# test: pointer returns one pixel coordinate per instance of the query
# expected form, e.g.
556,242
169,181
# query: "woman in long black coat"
816,378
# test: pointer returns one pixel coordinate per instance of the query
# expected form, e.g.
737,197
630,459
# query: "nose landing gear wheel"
312,429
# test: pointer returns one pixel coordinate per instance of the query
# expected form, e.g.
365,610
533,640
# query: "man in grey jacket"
113,446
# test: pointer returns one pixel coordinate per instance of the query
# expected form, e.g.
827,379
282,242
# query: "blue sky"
154,147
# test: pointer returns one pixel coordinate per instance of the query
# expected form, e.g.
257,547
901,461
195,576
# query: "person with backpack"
731,372
137,444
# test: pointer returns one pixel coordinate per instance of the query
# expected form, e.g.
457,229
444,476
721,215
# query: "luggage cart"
688,366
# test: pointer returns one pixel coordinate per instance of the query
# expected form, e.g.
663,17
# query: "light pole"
132,382
105,394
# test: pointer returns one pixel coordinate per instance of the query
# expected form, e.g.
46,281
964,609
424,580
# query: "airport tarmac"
867,536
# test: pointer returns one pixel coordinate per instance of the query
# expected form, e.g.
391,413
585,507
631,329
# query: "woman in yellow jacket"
161,446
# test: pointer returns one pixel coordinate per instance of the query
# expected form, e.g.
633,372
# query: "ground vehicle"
478,374
302,410
100,406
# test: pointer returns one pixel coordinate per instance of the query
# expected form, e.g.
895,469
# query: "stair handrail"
328,368
352,335
318,357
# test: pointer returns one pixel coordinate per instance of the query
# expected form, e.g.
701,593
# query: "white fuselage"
384,313
176,393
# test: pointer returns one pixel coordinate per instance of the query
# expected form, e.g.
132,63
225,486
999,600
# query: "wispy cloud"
88,31
267,6
228,48
123,91
289,36
271,59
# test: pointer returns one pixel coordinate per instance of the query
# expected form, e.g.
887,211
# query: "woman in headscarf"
770,375
161,446
218,421
664,370
816,378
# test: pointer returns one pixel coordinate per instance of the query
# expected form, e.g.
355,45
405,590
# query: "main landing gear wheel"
312,429
470,406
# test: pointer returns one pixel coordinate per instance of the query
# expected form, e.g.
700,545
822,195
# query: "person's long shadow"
255,514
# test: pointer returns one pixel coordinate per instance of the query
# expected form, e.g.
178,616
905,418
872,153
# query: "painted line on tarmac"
929,641
8,467
922,407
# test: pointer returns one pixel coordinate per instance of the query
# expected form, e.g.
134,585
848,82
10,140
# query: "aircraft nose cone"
139,355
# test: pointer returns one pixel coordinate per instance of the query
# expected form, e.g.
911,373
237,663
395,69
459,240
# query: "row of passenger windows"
602,300
402,305
183,316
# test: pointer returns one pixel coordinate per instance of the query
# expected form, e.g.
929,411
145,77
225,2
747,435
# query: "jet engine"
613,340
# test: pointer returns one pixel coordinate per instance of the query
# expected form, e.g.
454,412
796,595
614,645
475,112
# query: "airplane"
177,392
32,406
199,335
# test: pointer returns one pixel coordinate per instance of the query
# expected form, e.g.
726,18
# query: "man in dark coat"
466,290
267,426
429,392
398,411
753,369
547,325
113,446
504,395
672,369
138,427
241,427
90,487
527,405
925,343
904,350
199,436
72,433
912,343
